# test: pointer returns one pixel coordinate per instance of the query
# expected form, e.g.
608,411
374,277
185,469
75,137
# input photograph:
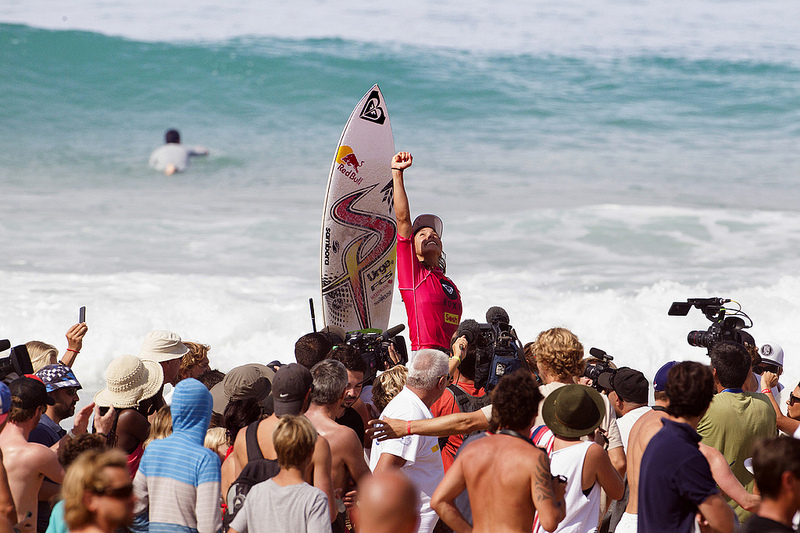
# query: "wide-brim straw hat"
573,411
129,380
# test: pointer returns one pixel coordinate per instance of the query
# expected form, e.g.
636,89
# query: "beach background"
593,161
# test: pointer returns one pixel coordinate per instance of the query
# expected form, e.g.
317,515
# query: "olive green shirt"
734,422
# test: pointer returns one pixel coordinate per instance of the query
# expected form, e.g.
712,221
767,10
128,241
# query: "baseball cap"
247,381
161,346
5,401
29,393
58,377
630,385
771,353
660,381
290,387
428,221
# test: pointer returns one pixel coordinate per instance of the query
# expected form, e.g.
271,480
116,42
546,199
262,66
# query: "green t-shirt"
734,422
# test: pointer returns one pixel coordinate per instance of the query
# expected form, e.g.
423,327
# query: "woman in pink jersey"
432,301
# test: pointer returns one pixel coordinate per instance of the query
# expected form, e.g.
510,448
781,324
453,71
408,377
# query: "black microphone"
391,332
497,315
469,329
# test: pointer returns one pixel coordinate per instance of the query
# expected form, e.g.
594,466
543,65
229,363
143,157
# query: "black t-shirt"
759,524
353,420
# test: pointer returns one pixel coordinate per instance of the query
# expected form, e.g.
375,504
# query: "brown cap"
252,380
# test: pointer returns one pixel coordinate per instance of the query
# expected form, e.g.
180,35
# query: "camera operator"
460,395
736,419
628,396
559,356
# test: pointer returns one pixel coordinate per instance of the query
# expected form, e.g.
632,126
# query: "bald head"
387,503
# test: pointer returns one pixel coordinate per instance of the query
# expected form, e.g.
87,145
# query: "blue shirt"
47,432
673,480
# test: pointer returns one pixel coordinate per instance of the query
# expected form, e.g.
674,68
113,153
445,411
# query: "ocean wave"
708,28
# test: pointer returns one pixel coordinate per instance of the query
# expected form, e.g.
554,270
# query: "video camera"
498,350
14,362
374,348
601,373
722,328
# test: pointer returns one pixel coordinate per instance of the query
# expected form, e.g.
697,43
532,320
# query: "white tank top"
583,512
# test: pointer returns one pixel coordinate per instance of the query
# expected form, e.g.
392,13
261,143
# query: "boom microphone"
391,332
469,329
497,315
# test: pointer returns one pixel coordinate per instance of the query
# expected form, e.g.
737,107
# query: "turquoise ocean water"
592,161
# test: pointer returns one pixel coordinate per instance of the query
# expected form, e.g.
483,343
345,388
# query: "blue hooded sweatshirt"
178,482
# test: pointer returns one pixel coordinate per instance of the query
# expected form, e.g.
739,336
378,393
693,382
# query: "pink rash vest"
432,300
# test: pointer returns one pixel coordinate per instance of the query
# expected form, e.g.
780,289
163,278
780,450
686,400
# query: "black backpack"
255,471
467,403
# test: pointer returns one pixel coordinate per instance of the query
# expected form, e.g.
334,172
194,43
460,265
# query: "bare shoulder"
322,446
595,452
35,454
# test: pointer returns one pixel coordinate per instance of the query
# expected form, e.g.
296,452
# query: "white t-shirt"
626,422
174,154
423,457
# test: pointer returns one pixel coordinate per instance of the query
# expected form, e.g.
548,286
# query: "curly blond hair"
197,352
560,351
388,385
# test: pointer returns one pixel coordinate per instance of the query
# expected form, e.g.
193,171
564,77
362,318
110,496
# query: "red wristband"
764,391
71,350
408,427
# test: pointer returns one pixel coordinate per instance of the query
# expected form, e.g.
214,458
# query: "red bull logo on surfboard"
349,163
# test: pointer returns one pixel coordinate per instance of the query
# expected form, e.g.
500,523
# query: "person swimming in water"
173,156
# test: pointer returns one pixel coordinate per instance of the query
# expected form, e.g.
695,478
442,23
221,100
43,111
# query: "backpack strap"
461,396
251,439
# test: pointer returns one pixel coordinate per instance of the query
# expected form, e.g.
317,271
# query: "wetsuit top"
432,300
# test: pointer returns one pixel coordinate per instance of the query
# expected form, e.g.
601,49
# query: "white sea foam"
259,318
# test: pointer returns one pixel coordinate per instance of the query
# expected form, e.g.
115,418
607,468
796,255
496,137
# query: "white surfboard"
359,230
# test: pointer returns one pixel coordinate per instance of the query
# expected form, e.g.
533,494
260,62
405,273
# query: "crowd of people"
320,445
326,444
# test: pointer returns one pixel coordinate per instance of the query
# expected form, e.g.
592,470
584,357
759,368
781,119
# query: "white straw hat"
161,346
129,380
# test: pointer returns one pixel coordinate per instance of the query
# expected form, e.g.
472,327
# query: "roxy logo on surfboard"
372,109
349,163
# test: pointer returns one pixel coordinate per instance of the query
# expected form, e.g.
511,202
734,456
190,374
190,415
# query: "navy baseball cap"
660,381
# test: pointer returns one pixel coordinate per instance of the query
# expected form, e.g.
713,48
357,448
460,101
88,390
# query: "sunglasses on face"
793,399
118,493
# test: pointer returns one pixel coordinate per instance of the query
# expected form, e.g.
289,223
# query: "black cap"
29,393
630,385
290,387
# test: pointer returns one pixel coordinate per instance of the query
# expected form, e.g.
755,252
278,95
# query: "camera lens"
703,339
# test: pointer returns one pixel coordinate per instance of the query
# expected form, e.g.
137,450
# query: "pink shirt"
432,300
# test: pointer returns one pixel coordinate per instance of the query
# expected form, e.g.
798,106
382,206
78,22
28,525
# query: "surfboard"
359,231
